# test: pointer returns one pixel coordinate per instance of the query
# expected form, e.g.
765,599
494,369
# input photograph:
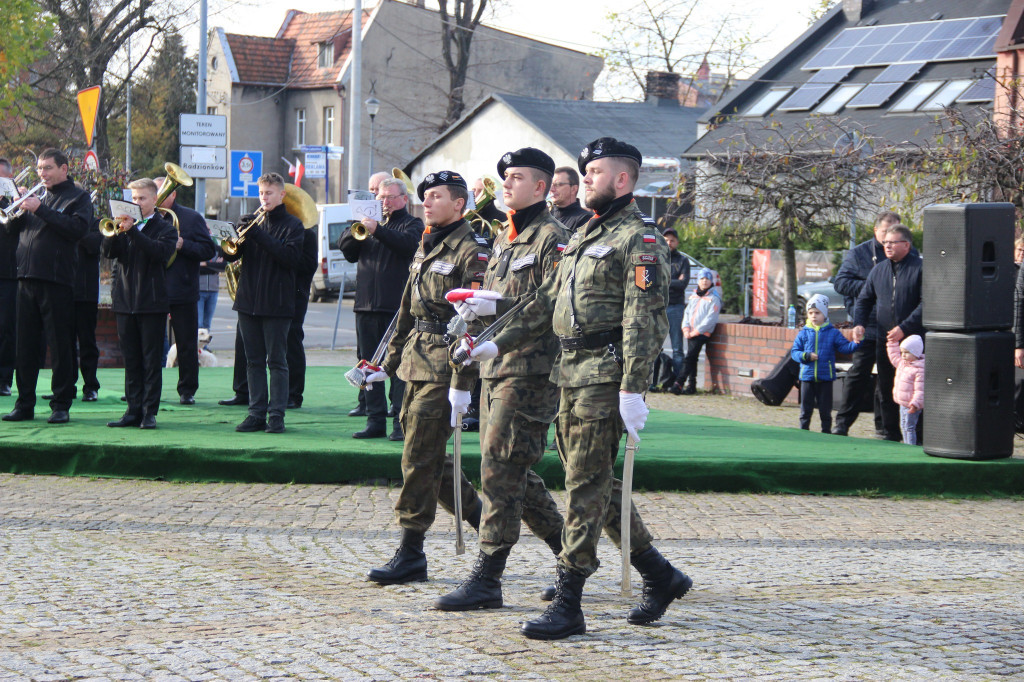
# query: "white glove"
634,413
460,402
464,348
485,351
374,377
464,311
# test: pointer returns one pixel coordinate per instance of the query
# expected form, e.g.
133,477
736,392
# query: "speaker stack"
967,292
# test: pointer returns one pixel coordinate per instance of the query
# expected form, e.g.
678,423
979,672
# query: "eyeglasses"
898,241
559,184
385,197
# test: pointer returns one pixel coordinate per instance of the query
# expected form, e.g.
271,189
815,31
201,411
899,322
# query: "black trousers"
87,355
142,344
185,327
46,315
370,328
886,379
816,393
239,373
8,327
857,383
693,347
266,347
297,353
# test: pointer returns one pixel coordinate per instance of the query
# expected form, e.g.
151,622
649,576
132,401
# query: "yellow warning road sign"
88,105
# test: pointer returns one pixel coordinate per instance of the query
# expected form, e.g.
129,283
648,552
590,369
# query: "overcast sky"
574,23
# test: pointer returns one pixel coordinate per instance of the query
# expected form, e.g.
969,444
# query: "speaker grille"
968,395
968,273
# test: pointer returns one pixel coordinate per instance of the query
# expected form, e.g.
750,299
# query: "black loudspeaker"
968,267
968,395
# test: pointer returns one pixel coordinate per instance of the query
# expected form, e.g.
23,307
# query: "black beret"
527,157
605,147
441,178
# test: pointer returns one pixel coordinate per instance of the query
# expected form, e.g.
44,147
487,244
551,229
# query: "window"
300,127
328,125
213,64
325,55
767,101
211,110
838,99
919,93
947,95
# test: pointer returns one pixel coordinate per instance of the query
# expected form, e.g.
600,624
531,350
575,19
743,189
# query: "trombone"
15,210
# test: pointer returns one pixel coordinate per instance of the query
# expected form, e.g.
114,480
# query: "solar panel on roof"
806,97
898,73
831,75
951,39
874,95
983,90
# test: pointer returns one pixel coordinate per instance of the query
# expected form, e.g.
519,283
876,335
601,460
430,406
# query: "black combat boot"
663,583
563,617
482,590
408,565
553,541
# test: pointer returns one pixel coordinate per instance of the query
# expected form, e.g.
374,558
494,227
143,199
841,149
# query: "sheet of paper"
221,230
120,208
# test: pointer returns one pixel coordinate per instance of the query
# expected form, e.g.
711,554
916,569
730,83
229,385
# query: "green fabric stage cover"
678,451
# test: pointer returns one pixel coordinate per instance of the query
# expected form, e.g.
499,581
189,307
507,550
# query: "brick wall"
106,338
750,349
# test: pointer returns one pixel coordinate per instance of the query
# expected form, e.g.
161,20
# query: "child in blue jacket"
815,348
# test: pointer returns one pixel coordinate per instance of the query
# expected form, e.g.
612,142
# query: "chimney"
662,88
854,10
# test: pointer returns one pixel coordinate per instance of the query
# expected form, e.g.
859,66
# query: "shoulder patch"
482,257
648,258
650,239
442,267
560,247
481,241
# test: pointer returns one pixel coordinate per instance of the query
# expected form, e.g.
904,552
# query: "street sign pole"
200,200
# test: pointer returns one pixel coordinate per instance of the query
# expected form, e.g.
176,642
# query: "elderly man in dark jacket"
893,291
139,301
383,258
849,282
48,235
193,246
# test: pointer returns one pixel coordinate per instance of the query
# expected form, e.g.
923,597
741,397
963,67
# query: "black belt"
591,341
431,327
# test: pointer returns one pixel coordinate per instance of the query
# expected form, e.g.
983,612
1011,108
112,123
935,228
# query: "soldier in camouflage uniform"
449,256
606,304
518,402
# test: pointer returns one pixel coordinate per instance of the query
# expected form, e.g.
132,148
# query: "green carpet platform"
678,451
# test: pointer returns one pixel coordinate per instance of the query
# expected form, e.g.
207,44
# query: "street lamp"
372,107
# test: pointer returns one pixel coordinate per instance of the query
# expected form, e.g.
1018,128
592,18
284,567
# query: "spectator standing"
815,348
699,320
849,282
678,280
893,292
908,389
565,202
209,289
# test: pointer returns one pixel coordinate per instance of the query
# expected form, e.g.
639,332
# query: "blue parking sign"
246,168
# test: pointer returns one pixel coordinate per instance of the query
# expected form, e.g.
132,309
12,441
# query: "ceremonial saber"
460,543
460,356
627,508
357,375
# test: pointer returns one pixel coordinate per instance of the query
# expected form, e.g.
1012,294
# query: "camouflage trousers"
588,435
427,470
514,416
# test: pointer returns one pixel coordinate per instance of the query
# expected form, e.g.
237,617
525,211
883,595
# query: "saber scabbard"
627,508
460,543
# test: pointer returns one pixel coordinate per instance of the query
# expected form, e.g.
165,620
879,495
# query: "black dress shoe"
124,399
370,433
126,420
89,396
396,435
19,414
392,412
5,390
275,425
250,424
357,412
48,396
58,417
235,400
292,405
186,400
148,422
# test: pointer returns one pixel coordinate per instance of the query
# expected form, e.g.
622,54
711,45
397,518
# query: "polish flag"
295,171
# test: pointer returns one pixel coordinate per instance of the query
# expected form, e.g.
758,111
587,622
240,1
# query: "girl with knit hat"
908,388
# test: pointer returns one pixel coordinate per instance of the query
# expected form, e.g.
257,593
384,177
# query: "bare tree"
766,181
458,27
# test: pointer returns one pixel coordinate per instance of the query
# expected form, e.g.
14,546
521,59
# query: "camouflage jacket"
458,261
613,274
515,270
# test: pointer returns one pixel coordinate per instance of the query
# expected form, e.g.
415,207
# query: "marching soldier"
607,306
450,256
518,401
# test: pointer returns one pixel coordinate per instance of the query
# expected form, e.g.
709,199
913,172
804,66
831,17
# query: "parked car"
836,306
333,269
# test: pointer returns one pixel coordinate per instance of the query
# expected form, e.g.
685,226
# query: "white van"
333,269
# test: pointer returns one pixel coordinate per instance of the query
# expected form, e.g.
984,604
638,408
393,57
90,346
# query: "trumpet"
359,231
15,210
231,246
297,203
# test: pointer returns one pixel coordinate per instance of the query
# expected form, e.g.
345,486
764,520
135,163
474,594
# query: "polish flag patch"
560,247
482,256
650,239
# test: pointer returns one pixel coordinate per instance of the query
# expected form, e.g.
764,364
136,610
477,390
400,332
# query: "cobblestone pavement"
135,580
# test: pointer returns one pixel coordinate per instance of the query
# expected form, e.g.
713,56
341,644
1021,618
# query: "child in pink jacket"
908,388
